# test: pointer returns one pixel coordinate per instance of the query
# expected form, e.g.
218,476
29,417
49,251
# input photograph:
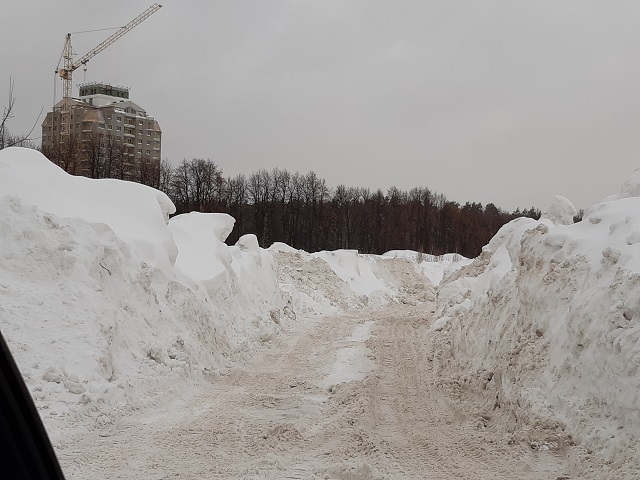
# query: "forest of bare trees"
304,212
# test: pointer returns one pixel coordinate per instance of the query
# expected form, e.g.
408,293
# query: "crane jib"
69,65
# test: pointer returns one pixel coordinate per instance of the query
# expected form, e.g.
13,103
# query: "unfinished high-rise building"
109,136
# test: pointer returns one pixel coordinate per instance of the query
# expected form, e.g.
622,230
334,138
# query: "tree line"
300,209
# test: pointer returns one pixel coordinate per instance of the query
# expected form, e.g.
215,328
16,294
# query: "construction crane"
66,72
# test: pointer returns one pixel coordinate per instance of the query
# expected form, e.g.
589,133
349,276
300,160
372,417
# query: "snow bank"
545,323
355,270
106,306
136,213
109,306
434,266
343,280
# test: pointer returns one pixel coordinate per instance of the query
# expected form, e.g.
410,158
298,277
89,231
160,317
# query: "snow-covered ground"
117,314
108,305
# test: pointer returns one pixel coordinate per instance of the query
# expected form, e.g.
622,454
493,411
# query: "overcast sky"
509,102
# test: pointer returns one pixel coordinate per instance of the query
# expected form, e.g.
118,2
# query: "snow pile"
137,214
560,211
433,266
108,305
355,271
105,305
545,323
343,280
242,277
631,187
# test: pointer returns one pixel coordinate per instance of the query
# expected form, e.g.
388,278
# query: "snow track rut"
275,419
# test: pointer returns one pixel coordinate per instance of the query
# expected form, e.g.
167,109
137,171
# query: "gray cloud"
497,101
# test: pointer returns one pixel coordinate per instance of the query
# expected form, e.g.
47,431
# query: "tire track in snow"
274,420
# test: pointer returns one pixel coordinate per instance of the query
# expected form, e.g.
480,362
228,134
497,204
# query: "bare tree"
181,187
7,139
259,189
148,172
93,150
113,157
166,172
65,155
344,199
282,191
235,199
205,179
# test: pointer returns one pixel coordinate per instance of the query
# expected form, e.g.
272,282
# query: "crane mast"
66,73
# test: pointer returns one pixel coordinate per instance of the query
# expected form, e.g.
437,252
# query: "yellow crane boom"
66,72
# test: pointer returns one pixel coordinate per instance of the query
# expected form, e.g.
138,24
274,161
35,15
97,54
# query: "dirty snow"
433,266
545,324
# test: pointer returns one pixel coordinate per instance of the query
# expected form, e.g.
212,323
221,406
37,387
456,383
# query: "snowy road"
280,418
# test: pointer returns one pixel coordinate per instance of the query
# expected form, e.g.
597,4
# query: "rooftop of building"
101,88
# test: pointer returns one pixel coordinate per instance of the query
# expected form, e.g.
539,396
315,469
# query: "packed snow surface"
351,362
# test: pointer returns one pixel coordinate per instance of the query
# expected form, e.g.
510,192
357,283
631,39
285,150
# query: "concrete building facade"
103,119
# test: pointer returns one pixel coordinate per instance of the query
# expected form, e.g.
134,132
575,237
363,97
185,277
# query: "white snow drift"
104,301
